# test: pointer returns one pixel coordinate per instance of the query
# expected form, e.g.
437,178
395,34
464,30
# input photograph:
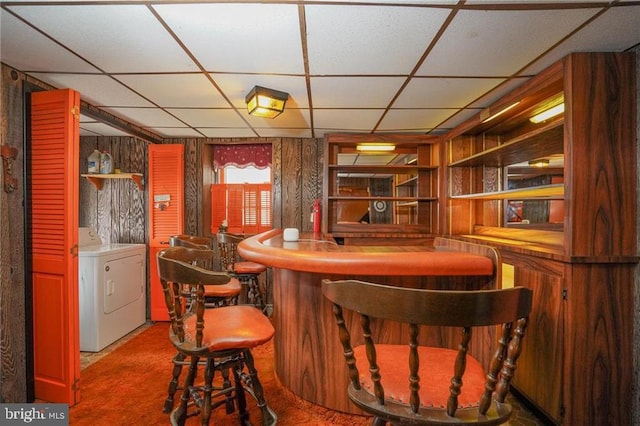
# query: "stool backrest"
177,271
228,249
466,310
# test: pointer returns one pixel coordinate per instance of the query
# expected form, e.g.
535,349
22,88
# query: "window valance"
257,155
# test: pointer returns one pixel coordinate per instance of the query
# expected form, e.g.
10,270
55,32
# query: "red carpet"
129,386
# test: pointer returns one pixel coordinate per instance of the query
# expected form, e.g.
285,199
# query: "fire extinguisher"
316,216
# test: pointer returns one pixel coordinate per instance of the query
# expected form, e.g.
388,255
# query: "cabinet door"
539,373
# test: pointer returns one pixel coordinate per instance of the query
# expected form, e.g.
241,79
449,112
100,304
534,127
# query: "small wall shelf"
98,179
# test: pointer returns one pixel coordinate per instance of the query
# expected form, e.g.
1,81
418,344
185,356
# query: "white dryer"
112,294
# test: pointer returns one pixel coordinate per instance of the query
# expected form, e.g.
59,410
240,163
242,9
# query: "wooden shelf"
98,179
543,192
544,141
401,199
392,169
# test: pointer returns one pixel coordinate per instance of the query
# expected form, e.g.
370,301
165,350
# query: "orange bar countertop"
322,255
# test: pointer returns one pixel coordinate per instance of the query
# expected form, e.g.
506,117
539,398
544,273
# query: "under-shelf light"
543,162
548,113
487,112
375,147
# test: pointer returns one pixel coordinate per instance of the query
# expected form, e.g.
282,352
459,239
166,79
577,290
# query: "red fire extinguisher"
316,216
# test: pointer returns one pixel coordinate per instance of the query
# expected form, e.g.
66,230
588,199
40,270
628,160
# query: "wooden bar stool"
223,337
214,295
248,273
414,384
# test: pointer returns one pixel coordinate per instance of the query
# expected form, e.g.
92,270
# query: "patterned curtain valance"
257,155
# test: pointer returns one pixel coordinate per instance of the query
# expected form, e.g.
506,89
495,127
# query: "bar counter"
307,350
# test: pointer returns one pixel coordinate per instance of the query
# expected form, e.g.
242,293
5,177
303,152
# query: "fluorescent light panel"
373,147
547,114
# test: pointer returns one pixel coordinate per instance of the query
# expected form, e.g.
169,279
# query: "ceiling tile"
414,119
499,43
98,90
115,38
354,92
42,53
199,117
444,92
179,90
620,24
245,38
352,39
361,120
147,117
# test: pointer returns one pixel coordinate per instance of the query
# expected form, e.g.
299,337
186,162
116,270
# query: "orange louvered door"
166,212
54,180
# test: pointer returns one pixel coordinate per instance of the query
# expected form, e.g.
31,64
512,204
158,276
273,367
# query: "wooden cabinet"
378,192
578,249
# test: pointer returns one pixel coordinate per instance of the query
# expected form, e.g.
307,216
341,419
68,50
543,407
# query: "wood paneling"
13,286
118,211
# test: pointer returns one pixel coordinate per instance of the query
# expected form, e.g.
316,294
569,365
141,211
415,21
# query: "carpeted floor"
126,384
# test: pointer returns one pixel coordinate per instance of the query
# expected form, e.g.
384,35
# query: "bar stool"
214,296
222,337
247,272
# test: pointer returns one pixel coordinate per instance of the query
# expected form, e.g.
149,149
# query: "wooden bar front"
307,351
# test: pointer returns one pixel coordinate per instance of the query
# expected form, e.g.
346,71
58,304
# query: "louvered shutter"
235,202
166,212
53,204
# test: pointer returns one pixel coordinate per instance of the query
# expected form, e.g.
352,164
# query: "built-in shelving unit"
98,179
581,264
378,192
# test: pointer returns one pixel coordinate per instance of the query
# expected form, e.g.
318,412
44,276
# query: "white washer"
112,293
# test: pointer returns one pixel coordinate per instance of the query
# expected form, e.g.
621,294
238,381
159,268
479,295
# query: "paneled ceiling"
182,68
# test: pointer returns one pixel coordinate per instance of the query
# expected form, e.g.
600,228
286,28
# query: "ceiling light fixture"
547,114
372,147
266,103
485,114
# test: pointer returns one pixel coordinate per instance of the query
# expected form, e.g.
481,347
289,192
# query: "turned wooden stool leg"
178,361
268,416
243,414
208,388
179,415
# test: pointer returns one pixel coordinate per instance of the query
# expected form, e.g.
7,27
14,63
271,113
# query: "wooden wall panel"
312,159
192,187
118,211
291,183
14,356
276,182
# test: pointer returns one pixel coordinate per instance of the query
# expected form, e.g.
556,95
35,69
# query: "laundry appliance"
112,290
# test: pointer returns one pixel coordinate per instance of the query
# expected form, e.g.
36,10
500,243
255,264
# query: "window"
242,198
